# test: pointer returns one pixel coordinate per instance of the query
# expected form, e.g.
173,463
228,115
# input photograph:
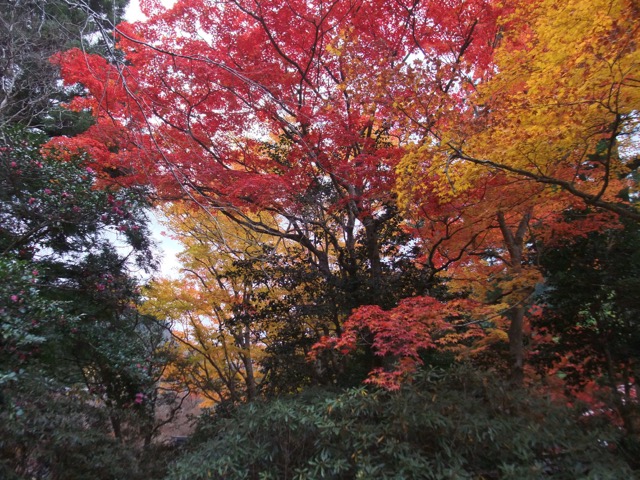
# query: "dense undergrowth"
455,424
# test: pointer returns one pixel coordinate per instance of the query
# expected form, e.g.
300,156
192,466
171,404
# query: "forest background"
410,239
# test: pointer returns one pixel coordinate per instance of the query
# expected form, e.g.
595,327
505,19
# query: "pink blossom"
32,200
90,170
47,191
15,298
14,164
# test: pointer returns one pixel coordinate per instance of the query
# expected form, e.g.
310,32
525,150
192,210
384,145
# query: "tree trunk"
115,425
515,246
373,252
248,366
516,345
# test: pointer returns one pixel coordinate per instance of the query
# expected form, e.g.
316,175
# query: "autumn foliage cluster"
367,189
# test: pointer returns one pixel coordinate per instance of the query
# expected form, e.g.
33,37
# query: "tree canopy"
364,191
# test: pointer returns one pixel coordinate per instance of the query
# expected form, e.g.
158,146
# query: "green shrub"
447,425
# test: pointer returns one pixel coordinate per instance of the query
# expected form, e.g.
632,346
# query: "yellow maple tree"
549,133
560,110
210,306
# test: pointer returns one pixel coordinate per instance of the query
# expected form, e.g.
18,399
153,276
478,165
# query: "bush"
447,425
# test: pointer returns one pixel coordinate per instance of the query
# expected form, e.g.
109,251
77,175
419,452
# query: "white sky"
133,13
167,248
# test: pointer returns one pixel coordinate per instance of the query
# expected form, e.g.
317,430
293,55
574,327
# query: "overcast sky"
167,249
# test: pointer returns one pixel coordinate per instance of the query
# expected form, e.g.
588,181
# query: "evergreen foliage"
79,365
448,424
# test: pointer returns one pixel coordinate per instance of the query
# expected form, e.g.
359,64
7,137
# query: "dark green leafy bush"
453,425
79,365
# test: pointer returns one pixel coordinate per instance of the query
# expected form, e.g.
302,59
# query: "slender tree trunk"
622,404
373,252
516,344
117,429
248,365
514,242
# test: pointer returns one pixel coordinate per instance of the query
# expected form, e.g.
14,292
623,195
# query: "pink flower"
47,191
100,287
90,170
139,398
14,164
15,298
32,200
